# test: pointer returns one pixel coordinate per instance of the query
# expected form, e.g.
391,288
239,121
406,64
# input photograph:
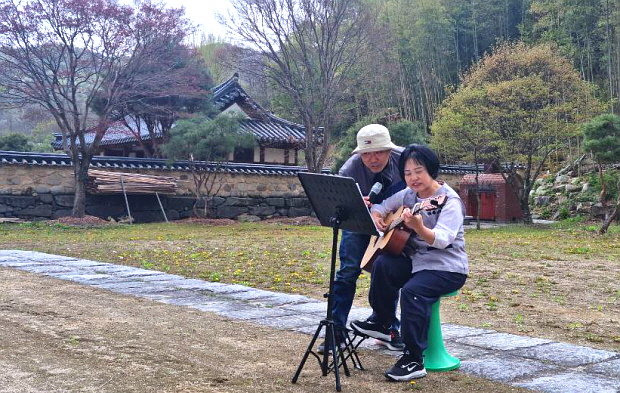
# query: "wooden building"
278,140
497,199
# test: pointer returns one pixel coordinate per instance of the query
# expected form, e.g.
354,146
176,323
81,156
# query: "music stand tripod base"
338,203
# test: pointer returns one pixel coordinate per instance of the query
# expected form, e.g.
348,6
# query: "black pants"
419,291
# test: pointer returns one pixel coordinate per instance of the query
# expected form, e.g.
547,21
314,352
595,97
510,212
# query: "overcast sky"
202,12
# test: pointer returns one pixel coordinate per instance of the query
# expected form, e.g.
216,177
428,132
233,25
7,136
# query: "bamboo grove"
420,48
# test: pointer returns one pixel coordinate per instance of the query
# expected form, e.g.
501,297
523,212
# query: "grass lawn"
560,282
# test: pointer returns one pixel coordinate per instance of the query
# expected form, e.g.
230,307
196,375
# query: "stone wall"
46,192
41,192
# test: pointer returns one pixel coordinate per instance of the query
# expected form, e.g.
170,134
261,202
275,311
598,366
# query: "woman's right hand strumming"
378,218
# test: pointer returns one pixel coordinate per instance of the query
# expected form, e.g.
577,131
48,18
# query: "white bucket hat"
373,137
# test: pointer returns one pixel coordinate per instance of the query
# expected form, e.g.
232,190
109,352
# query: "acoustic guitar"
396,235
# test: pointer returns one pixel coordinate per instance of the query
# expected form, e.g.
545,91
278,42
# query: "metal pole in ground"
161,206
126,201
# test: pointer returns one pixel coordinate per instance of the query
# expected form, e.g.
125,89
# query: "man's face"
376,160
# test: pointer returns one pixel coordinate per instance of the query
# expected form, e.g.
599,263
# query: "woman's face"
418,179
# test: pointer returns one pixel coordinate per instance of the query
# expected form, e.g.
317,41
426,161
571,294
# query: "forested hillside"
420,48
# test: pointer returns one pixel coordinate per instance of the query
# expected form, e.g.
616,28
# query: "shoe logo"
410,366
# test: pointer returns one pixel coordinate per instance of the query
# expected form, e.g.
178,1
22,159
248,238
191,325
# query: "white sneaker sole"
371,333
407,377
389,345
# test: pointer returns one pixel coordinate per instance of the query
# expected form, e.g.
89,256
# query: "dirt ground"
61,336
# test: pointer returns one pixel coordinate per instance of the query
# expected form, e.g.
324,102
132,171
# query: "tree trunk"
603,195
611,217
525,208
80,176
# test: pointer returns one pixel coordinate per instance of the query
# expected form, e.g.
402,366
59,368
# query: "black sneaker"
372,329
396,341
389,337
406,368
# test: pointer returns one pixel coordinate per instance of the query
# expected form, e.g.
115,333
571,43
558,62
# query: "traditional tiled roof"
266,127
116,134
103,162
54,159
484,178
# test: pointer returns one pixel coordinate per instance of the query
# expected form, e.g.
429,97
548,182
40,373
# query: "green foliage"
610,178
15,142
204,139
518,104
602,138
42,137
564,213
406,132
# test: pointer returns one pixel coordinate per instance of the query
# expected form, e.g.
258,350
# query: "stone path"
534,363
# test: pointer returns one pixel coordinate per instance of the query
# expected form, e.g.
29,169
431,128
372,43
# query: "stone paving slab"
139,273
142,290
217,306
109,268
450,332
114,286
258,312
47,269
502,341
280,299
610,368
288,322
42,257
534,363
465,352
80,263
84,278
564,354
176,294
359,313
20,263
572,382
190,283
251,294
311,329
222,288
164,277
312,307
504,368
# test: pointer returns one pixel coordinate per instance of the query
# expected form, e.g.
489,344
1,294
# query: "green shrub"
564,213
610,178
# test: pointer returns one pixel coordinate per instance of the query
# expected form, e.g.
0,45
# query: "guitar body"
395,238
393,242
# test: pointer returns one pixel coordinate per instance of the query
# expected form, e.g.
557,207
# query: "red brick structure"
498,200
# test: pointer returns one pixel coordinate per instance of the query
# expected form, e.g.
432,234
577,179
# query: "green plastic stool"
436,357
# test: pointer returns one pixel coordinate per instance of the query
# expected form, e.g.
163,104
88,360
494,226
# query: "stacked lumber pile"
102,182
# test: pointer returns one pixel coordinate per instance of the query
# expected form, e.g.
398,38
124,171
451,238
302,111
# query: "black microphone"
374,192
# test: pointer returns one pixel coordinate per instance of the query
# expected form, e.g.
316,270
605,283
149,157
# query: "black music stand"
339,204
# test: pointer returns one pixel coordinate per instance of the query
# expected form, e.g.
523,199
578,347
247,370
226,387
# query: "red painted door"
487,200
471,209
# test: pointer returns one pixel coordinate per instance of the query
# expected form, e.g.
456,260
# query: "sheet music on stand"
339,204
332,195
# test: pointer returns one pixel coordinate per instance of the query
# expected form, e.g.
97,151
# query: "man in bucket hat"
374,160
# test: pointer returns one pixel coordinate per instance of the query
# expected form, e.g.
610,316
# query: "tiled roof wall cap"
48,159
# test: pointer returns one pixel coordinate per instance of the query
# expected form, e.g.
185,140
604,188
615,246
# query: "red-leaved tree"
65,54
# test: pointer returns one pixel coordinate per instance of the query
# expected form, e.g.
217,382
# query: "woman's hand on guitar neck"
414,221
